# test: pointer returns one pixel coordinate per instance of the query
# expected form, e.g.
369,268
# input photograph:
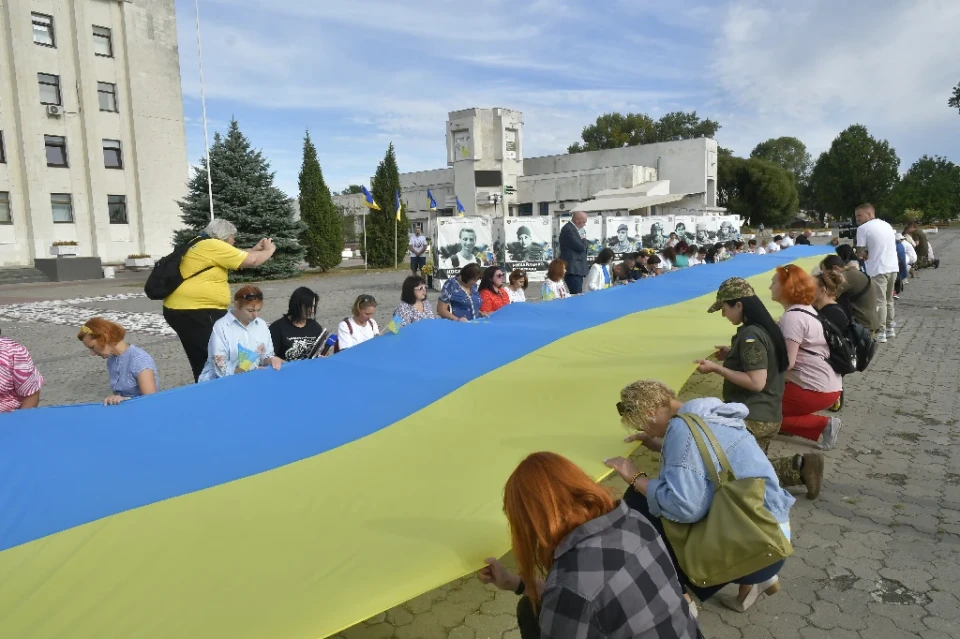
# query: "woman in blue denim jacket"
682,492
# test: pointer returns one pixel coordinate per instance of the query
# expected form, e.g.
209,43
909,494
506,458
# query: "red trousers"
799,406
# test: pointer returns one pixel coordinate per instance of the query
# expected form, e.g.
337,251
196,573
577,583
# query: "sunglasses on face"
253,296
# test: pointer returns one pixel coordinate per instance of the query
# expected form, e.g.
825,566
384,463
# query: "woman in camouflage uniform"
754,369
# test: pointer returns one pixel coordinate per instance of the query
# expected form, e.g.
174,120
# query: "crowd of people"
589,564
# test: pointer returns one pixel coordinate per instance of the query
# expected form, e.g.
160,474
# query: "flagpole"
203,106
396,243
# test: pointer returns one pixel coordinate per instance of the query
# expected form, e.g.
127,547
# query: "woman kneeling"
682,493
607,572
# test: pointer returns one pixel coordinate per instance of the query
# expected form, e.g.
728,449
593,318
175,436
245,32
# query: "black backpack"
863,342
165,277
843,352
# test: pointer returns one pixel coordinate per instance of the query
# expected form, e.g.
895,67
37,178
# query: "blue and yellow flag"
368,199
395,324
460,208
432,203
399,205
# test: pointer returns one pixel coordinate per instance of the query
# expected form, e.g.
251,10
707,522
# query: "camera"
848,231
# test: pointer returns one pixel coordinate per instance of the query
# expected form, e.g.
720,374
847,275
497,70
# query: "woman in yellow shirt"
204,296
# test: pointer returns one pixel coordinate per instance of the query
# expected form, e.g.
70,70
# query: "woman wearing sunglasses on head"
241,341
361,327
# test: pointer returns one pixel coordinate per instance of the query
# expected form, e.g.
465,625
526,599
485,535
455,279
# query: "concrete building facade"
489,175
92,140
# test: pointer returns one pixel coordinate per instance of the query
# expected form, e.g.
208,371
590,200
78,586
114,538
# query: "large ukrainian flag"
293,504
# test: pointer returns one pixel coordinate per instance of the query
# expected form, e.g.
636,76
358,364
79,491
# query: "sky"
364,73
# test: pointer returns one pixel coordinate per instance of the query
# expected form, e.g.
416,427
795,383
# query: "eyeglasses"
253,296
366,299
420,288
498,276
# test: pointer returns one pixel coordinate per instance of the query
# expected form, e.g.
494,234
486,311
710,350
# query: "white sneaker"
881,338
891,333
830,434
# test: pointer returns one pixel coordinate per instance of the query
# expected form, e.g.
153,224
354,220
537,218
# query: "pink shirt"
19,378
811,369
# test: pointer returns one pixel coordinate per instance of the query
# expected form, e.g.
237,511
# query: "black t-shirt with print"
290,342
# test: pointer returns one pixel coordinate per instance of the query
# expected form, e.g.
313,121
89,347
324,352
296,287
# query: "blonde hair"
640,400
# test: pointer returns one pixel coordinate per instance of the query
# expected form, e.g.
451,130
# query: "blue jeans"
638,502
574,283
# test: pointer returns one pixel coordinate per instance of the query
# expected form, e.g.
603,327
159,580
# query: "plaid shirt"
612,578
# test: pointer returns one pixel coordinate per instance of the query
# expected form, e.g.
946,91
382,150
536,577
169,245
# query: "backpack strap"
854,298
807,350
193,242
349,324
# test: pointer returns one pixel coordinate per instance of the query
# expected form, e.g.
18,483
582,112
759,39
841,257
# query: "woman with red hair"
131,370
607,572
812,384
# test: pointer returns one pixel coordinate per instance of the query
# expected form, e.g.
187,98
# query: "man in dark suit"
573,251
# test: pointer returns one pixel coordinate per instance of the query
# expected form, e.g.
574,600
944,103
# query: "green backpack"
738,536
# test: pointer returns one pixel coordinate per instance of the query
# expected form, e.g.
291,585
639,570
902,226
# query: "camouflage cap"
732,289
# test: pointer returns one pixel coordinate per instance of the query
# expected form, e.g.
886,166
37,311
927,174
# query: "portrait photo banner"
622,235
528,245
224,510
461,241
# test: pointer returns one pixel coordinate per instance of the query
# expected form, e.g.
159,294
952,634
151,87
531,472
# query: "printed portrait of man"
622,243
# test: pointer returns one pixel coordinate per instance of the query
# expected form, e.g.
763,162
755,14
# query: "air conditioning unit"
54,110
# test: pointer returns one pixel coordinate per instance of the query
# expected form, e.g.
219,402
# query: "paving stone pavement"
877,555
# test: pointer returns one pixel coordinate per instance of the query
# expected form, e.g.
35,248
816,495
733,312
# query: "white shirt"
417,242
516,296
786,242
878,238
360,334
233,345
760,251
693,261
910,252
773,247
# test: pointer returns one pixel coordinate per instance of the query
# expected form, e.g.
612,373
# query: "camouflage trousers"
763,432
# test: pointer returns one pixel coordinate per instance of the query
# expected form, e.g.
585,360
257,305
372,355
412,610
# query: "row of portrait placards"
530,243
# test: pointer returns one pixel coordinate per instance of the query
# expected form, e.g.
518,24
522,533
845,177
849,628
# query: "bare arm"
259,254
30,401
147,382
792,349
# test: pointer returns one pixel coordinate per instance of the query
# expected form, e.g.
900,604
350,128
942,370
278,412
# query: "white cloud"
811,69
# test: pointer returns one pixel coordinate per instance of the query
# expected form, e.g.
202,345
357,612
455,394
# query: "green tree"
615,130
856,169
243,193
759,191
954,102
932,185
353,189
789,154
383,232
323,224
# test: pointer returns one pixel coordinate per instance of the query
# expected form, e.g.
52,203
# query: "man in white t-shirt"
877,237
787,240
418,246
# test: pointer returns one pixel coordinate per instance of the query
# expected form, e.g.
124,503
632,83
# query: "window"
56,150
5,208
3,150
62,205
102,44
108,96
117,205
544,208
112,154
525,210
49,88
43,30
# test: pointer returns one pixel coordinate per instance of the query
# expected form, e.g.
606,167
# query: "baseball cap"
732,289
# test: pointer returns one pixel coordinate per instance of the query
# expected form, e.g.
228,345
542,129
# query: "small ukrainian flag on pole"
399,205
368,199
430,201
460,208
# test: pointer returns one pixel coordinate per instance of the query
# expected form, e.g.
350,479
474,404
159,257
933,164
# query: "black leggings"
639,503
194,328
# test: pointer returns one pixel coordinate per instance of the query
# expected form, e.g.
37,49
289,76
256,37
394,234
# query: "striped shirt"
19,378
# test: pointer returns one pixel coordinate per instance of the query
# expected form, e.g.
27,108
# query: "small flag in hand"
395,324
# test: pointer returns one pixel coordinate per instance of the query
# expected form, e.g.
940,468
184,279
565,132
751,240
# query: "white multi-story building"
489,175
92,141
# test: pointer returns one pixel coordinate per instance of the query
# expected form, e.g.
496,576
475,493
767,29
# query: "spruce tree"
380,224
323,223
243,193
